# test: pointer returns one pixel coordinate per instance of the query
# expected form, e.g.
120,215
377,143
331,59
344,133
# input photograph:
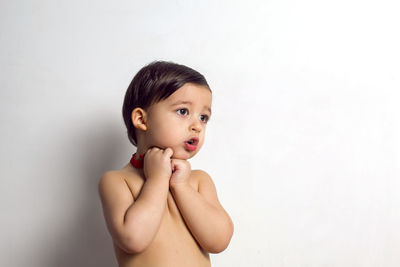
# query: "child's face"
179,121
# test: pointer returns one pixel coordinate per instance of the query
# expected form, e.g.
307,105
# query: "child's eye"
204,118
182,111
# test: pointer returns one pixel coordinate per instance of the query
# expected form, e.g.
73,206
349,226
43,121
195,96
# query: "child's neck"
141,149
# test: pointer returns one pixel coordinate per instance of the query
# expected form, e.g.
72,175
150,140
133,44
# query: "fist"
181,170
157,163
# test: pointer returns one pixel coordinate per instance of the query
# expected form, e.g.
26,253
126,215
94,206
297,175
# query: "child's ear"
138,117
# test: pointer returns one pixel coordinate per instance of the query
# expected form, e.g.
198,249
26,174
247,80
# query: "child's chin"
183,156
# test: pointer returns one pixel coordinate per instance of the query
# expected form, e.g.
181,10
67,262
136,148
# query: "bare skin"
166,214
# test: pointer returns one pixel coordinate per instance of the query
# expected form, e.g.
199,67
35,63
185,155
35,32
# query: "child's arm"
206,218
134,223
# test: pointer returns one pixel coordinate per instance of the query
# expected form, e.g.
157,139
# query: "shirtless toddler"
158,211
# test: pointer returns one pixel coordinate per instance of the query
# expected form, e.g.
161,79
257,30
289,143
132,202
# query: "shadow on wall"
87,242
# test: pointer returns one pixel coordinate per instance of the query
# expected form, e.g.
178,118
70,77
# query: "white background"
303,145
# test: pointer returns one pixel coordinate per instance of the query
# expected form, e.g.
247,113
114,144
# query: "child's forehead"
191,93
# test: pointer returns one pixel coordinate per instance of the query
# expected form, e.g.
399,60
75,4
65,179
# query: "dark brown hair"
153,83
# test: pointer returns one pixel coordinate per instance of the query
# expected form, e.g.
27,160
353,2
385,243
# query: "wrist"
157,181
157,177
181,185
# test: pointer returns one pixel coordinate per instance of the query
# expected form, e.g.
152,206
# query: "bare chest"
173,244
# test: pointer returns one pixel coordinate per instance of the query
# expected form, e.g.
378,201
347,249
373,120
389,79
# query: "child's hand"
181,170
157,163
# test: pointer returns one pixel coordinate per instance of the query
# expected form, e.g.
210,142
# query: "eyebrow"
189,103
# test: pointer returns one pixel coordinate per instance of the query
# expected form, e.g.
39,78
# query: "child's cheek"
165,136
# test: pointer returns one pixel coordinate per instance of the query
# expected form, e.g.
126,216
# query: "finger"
168,152
177,163
153,149
172,166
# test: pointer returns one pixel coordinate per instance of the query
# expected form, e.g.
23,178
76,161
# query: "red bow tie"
137,163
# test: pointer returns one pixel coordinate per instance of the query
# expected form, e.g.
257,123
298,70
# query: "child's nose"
195,126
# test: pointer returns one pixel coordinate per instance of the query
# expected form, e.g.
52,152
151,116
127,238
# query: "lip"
193,145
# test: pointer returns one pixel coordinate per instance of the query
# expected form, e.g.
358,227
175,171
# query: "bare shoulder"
115,176
201,176
110,177
116,181
110,181
205,185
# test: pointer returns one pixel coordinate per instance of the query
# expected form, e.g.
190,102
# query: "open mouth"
191,144
193,141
